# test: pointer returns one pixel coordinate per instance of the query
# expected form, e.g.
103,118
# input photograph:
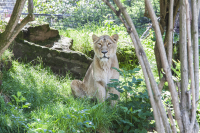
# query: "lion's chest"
104,76
102,70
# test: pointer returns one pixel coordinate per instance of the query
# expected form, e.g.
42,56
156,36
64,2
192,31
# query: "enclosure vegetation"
34,99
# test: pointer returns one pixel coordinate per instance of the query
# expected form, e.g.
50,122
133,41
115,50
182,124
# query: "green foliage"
85,11
39,101
176,70
11,114
126,55
42,102
134,108
5,59
80,11
2,26
198,114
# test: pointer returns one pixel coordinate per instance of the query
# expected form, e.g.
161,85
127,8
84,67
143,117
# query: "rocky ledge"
40,41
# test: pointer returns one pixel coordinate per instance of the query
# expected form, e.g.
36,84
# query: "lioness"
100,71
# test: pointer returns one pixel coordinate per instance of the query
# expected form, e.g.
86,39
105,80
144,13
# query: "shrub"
134,111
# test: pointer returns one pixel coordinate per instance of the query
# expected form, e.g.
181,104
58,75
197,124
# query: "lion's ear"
115,37
94,37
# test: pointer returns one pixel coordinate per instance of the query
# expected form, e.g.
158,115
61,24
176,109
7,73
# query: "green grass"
39,101
82,35
33,99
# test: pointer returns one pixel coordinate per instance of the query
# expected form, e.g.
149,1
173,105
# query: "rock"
54,50
64,44
60,61
34,32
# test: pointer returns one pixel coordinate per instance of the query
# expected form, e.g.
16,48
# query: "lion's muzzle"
104,54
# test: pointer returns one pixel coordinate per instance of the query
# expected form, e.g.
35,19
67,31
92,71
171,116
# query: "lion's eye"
109,43
99,44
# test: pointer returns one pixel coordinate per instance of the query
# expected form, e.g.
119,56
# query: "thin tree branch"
198,7
170,33
197,101
191,69
166,66
14,19
179,89
156,112
177,4
184,65
195,46
17,29
161,84
188,94
30,6
195,13
117,13
171,121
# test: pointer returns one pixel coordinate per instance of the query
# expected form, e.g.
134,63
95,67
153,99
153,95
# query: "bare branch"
161,84
177,4
191,69
198,7
170,33
166,67
156,112
178,84
144,36
17,29
184,65
171,121
30,6
194,85
197,101
14,19
117,14
195,41
188,99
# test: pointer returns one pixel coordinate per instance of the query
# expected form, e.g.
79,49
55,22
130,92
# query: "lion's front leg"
78,88
101,91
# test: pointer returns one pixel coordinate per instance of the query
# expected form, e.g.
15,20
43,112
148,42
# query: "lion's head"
105,46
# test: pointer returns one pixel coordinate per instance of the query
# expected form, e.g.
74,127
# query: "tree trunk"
170,33
184,64
169,10
13,27
195,10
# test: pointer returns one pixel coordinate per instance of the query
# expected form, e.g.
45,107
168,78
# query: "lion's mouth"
104,57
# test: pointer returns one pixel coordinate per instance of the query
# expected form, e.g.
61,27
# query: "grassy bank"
33,99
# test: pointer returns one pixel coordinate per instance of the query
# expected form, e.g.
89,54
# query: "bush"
134,111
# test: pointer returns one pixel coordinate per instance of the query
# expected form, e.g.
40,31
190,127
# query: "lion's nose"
104,52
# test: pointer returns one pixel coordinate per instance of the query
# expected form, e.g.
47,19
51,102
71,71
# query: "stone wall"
54,51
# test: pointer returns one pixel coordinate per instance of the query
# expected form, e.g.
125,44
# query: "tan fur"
100,71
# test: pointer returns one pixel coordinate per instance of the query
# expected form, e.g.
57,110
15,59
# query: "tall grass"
33,99
82,35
